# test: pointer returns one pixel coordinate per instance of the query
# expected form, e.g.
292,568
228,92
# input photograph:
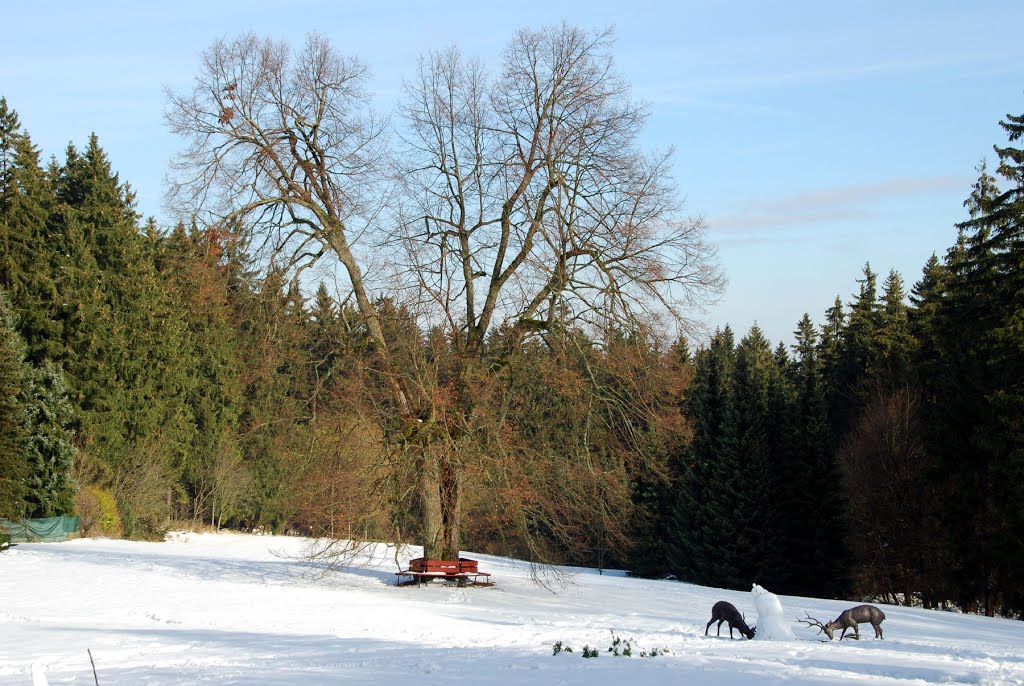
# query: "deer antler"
811,622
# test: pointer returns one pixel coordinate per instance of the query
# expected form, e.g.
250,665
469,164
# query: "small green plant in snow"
619,647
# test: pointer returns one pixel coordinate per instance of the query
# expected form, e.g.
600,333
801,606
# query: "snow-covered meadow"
235,609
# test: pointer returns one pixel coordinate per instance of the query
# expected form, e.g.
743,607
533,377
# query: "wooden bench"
464,572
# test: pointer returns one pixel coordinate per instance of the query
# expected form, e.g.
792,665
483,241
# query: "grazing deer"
849,619
727,612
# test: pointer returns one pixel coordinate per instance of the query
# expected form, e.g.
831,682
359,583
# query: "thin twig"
95,678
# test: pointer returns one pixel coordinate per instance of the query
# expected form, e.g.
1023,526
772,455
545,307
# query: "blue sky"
813,136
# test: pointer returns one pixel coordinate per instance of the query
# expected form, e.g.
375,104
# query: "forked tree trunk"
439,482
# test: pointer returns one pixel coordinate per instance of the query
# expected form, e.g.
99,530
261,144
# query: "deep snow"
235,609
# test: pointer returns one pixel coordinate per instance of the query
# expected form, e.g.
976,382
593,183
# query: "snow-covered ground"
234,609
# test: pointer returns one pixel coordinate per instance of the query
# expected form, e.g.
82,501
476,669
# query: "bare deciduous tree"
527,202
891,509
528,198
284,148
522,202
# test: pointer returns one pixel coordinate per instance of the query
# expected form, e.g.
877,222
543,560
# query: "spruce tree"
273,414
831,352
895,337
926,300
49,446
122,339
207,464
13,468
27,250
751,479
811,491
324,344
26,272
862,349
706,547
960,417
1008,363
986,292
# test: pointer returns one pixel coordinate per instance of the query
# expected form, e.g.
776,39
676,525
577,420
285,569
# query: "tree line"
487,370
882,454
179,385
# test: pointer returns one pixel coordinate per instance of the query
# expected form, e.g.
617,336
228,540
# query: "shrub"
98,512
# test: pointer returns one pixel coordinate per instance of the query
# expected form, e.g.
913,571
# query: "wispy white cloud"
752,76
837,204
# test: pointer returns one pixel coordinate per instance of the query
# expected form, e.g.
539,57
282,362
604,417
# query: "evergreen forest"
175,376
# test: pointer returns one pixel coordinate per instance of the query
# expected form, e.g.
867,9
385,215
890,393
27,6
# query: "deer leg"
709,626
878,630
730,630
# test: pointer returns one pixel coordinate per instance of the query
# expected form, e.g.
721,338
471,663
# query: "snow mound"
38,675
771,620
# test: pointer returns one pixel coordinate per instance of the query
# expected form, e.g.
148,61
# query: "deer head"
822,628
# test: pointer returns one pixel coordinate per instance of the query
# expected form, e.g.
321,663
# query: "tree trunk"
431,517
440,502
451,506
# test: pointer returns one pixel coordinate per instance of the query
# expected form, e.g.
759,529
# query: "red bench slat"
461,566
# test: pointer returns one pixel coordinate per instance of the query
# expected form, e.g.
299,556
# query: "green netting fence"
35,530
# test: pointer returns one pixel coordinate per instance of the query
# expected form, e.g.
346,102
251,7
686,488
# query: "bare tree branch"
526,198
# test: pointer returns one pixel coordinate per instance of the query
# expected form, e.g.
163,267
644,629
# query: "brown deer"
849,619
727,612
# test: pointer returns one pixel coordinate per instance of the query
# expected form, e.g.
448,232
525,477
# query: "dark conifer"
982,340
862,351
926,301
895,337
811,492
27,251
13,468
751,478
706,547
